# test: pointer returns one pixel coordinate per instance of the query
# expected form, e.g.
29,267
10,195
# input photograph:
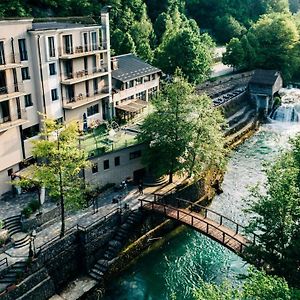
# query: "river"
176,266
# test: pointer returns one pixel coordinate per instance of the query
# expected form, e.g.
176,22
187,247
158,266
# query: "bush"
3,236
32,207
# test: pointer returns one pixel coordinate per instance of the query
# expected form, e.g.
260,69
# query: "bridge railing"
3,263
207,212
209,229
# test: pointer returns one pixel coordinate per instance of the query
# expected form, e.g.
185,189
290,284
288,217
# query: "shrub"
3,236
34,205
26,212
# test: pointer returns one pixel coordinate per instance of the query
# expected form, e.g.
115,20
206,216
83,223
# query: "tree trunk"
171,177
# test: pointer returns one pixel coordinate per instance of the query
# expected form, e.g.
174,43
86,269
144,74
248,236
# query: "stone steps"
115,245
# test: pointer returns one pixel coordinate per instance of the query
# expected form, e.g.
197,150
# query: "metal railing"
83,73
214,231
13,117
8,89
79,49
86,97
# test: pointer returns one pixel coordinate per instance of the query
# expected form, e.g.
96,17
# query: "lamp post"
32,238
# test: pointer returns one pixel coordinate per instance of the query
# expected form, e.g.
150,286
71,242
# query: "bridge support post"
237,229
221,220
177,214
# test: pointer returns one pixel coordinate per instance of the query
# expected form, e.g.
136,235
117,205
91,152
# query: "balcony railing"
83,73
82,49
83,99
13,120
10,60
14,88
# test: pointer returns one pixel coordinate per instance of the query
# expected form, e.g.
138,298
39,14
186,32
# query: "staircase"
12,274
14,227
115,245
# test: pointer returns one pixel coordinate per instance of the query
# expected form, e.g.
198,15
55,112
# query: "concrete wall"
115,174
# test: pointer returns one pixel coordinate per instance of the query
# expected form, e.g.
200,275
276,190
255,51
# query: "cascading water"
289,111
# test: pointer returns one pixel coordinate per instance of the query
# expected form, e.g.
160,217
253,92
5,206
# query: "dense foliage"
276,217
164,32
271,43
257,286
184,132
59,163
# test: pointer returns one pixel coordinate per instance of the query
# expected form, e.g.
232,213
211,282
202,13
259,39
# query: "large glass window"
31,131
51,46
92,110
94,40
86,41
2,56
68,44
23,49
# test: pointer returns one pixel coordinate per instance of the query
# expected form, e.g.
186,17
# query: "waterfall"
289,111
286,113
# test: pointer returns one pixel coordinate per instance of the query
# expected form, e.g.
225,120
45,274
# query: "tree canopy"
271,43
184,132
59,163
276,216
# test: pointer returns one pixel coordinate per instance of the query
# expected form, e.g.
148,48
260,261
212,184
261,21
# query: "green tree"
190,52
227,27
257,286
184,133
276,216
271,43
234,55
59,164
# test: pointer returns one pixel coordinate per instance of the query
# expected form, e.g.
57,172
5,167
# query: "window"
54,94
135,154
10,172
68,44
31,131
28,100
106,164
139,81
92,110
95,168
2,56
117,160
52,69
51,46
25,73
23,50
94,40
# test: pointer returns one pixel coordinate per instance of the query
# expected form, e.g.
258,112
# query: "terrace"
108,137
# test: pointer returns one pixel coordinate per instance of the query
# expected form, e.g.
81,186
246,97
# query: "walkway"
215,229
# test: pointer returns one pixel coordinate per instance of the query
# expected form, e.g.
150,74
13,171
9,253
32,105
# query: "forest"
157,31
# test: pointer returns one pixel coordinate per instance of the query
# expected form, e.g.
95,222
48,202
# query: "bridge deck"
224,235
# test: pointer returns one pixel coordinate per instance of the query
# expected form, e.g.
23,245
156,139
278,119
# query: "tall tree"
276,216
184,133
59,163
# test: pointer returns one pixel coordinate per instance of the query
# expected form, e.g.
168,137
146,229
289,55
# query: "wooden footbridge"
214,225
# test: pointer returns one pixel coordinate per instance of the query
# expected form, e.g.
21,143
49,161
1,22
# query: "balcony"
83,75
81,51
13,120
10,61
84,99
11,91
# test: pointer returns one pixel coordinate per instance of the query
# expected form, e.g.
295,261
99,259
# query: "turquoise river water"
175,266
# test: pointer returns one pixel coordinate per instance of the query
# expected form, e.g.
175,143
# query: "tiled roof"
267,77
130,67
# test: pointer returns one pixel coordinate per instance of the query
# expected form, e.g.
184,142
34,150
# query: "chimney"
114,64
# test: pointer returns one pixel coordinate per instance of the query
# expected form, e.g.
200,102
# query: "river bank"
177,264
